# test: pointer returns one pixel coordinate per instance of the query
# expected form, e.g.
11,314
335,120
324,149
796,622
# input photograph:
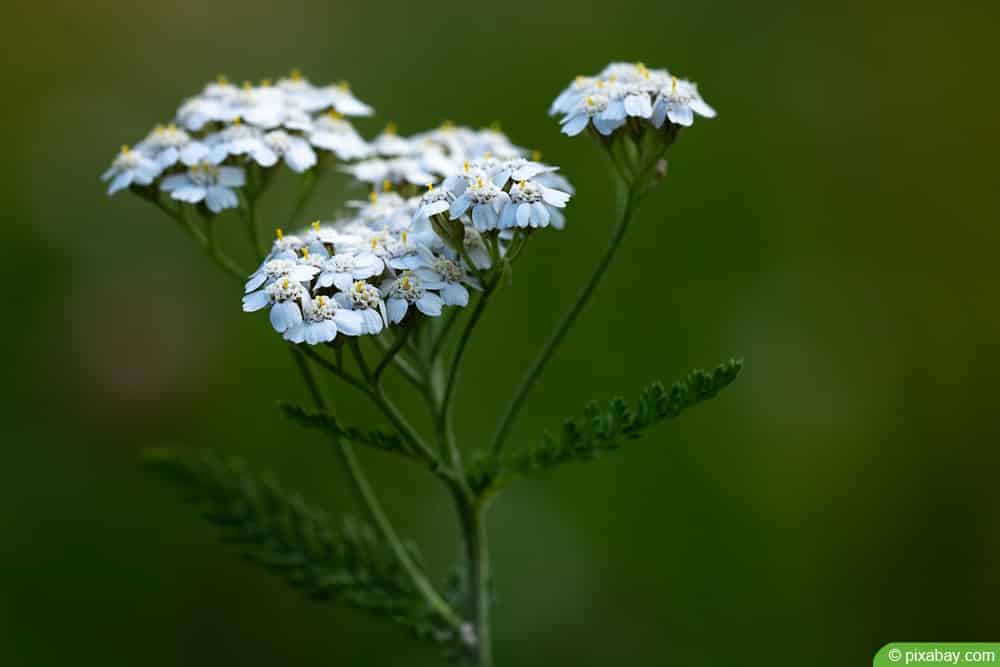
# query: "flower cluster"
430,156
398,255
625,90
201,156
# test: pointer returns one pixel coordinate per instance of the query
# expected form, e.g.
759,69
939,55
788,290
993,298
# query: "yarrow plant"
398,282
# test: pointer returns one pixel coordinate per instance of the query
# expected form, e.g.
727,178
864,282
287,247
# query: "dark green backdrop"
836,226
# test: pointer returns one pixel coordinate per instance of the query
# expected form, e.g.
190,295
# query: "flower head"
625,90
225,127
208,183
399,255
130,167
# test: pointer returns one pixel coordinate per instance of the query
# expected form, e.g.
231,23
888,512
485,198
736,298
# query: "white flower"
295,151
285,265
263,106
390,144
487,202
606,114
626,90
365,299
240,139
534,205
206,182
165,144
518,169
199,111
321,320
432,202
283,296
343,100
130,166
343,269
445,275
312,99
331,132
395,170
285,245
409,289
677,104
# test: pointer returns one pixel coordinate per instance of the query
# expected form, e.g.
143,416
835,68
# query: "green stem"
306,190
479,578
377,396
445,427
442,336
391,353
374,508
533,373
359,359
390,356
249,211
207,242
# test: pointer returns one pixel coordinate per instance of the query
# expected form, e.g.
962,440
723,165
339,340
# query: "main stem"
533,373
472,514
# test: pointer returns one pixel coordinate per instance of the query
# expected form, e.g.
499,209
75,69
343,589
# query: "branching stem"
378,516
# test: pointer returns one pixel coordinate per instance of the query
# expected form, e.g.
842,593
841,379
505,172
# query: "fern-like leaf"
283,534
327,423
606,429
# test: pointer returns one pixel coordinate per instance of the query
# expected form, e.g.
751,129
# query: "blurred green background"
836,226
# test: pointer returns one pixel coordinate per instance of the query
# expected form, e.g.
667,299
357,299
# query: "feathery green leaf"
606,429
283,534
374,438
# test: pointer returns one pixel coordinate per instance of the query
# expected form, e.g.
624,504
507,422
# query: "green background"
836,226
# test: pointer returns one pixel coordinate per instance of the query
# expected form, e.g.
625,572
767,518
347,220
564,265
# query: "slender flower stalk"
533,373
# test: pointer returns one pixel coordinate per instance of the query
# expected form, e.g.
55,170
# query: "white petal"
233,177
264,156
397,309
321,332
297,333
507,220
255,281
372,321
659,113
430,304
219,198
300,157
606,125
350,322
573,125
680,114
454,294
302,273
699,107
523,215
255,301
285,315
173,182
192,194
539,215
343,281
459,206
554,197
120,182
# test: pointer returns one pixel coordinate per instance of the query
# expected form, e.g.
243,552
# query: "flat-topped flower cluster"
429,157
200,157
625,90
362,273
